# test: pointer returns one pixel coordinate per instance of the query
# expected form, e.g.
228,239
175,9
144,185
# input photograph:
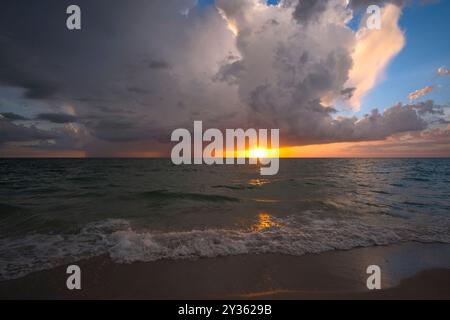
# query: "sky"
137,70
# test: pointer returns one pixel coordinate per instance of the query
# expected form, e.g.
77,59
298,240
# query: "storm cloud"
11,132
139,69
12,116
57,117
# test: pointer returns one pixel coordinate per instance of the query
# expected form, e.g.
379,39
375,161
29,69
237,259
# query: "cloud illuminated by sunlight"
373,52
231,24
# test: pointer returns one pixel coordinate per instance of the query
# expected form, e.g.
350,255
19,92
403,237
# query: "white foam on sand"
21,256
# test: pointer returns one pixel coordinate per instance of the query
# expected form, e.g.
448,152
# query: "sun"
258,153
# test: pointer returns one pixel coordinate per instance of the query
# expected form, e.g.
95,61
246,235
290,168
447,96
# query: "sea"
59,211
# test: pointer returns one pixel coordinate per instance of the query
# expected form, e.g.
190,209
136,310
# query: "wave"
116,238
233,187
163,195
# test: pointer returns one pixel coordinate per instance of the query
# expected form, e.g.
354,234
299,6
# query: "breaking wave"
116,238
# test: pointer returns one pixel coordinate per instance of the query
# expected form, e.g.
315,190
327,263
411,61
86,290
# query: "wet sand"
409,271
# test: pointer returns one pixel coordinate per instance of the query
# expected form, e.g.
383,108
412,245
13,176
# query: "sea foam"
117,238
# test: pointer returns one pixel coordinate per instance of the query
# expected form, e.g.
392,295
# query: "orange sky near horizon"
364,149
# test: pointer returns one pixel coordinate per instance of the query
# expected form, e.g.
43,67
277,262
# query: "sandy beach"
409,271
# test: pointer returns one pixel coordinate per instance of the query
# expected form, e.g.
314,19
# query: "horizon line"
166,157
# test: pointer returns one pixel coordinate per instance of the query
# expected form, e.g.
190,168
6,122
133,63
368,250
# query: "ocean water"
54,212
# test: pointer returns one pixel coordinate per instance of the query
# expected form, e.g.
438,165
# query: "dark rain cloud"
13,116
11,132
309,10
57,117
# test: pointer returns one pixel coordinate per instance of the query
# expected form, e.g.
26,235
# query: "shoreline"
409,271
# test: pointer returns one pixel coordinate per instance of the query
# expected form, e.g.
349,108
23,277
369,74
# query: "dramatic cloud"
139,69
373,52
420,93
283,80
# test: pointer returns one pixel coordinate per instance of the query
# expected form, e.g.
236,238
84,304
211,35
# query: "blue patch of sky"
273,2
427,48
205,3
356,20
